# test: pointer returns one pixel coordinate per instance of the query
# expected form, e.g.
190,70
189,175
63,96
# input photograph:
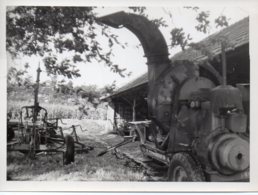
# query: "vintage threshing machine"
35,133
197,123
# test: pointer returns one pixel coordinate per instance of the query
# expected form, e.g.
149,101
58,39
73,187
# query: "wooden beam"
224,64
133,108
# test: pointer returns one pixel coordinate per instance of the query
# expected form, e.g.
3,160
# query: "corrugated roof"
237,34
135,83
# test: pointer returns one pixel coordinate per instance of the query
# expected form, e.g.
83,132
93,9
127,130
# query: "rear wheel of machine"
69,150
184,168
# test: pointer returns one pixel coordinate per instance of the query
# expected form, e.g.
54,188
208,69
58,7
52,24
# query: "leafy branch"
50,31
178,38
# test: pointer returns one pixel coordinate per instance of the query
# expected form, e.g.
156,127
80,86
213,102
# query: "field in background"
61,110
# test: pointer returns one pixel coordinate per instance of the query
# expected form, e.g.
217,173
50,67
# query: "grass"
87,167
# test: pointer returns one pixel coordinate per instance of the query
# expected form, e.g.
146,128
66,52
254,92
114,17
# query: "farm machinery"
197,124
35,133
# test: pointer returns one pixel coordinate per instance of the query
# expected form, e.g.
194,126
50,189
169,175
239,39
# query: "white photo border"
134,186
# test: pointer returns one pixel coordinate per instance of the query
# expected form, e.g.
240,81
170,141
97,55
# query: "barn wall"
123,114
110,116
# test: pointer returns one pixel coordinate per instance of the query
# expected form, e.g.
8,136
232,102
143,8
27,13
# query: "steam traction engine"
197,123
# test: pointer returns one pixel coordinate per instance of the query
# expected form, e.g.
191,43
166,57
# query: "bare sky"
132,57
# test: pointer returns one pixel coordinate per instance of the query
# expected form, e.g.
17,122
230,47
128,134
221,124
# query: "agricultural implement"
35,133
197,123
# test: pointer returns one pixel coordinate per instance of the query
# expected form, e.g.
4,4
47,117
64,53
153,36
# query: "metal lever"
115,146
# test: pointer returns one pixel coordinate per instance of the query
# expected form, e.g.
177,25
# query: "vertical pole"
75,134
224,74
133,116
34,140
36,91
61,132
134,112
224,64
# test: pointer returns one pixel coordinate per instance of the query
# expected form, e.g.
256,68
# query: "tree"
91,92
49,31
17,78
178,38
108,89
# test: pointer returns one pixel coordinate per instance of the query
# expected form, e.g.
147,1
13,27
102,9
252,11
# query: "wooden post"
224,64
134,114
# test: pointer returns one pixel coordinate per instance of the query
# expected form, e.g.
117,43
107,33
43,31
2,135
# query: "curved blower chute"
153,43
156,52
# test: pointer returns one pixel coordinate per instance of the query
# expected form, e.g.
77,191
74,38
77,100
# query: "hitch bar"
124,142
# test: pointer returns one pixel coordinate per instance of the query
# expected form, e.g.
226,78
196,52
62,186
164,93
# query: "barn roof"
237,34
141,80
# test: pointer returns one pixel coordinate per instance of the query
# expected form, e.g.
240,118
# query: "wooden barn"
129,103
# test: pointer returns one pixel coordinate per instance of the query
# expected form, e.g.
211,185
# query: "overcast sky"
132,57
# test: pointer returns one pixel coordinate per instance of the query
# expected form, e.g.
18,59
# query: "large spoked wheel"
184,168
69,150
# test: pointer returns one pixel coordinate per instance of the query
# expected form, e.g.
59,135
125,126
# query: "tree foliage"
18,78
50,31
194,8
179,37
221,21
108,89
203,22
159,22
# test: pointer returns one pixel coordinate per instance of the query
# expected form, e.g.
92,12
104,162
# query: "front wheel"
184,168
69,150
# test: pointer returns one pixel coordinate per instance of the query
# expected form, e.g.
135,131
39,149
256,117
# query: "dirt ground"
121,166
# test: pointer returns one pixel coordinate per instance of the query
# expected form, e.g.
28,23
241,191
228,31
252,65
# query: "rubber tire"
69,150
189,167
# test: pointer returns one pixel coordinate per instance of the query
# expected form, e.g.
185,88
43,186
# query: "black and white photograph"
130,93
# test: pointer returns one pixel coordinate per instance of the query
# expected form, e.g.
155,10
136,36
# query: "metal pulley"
234,154
229,153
